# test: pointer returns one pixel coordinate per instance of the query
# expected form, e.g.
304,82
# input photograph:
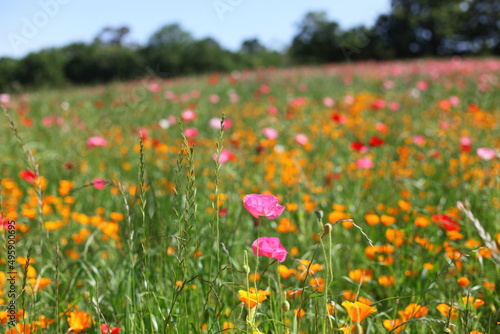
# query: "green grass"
152,253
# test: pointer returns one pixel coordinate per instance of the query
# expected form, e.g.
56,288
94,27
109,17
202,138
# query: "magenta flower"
188,115
270,133
225,156
272,110
486,153
418,140
270,247
422,85
328,102
395,106
301,139
97,141
465,141
365,163
263,205
99,183
215,123
190,132
214,98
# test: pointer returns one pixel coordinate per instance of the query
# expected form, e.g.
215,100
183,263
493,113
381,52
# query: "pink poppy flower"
365,163
215,123
388,84
301,139
297,102
378,104
270,133
465,144
394,106
188,115
143,132
97,142
418,140
195,94
328,102
5,223
185,97
269,247
99,183
190,132
225,156
172,119
169,95
264,89
4,98
214,98
454,100
234,98
466,141
272,110
263,205
422,85
154,87
486,153
349,99
48,121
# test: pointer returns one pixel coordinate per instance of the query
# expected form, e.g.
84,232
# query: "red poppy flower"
106,330
376,141
27,175
358,146
446,222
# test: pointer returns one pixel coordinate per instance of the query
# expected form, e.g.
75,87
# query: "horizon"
56,23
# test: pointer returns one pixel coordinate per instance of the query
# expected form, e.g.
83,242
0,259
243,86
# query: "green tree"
317,41
42,69
8,70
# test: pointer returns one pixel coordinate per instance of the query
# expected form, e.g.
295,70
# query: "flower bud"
319,214
285,306
327,228
246,268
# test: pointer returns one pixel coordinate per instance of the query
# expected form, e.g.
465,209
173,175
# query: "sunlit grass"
143,228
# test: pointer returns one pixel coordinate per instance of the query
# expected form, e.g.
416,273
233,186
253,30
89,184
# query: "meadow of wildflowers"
355,198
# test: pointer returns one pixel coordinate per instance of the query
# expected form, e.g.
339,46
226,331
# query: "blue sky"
31,25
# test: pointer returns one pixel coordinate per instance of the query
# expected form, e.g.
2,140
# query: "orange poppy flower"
358,311
79,321
447,311
252,298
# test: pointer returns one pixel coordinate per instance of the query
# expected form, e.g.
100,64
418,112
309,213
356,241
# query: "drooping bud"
327,228
319,214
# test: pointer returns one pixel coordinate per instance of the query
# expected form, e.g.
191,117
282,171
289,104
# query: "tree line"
412,28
